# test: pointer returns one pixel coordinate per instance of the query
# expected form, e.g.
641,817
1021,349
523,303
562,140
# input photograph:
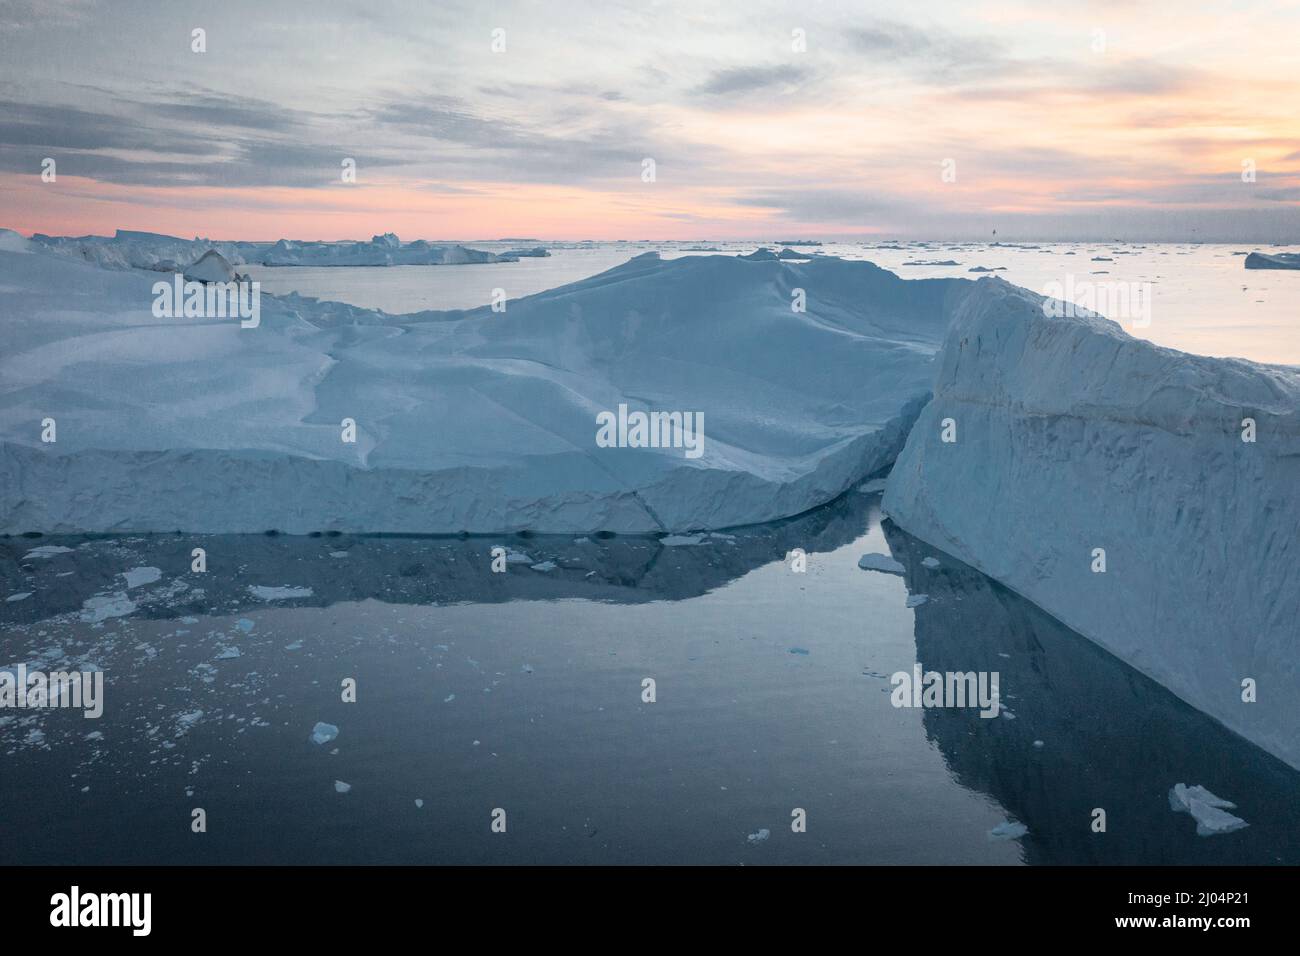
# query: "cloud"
748,79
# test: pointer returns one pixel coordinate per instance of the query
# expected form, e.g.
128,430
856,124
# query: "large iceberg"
477,421
1067,438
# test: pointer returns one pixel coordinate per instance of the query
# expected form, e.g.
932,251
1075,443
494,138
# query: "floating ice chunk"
874,561
263,593
1210,812
323,733
245,625
103,606
227,654
527,668
139,576
45,551
1008,830
419,804
187,720
293,646
338,554
916,600
20,596
930,563
1212,821
759,837
1181,795
341,787
682,540
800,650
545,566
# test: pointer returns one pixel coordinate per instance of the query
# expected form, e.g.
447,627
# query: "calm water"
523,691
1202,298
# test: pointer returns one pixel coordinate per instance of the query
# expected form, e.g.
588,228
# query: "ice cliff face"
475,421
1071,436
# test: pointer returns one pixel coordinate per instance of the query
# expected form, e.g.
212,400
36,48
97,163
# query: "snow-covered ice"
1072,436
474,421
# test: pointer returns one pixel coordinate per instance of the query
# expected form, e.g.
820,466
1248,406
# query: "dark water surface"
523,691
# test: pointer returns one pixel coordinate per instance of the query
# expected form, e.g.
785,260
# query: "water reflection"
1110,737
67,571
523,688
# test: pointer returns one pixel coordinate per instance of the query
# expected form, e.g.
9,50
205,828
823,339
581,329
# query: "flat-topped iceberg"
798,381
1145,497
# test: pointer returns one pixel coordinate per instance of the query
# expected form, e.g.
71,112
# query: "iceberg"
148,250
475,421
1144,497
212,266
1277,260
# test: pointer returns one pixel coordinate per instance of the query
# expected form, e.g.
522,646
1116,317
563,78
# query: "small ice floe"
294,646
1038,743
323,733
800,650
227,654
1008,830
759,837
103,606
263,593
874,561
45,551
516,557
930,563
449,698
872,486
916,600
20,596
187,720
1209,812
245,625
338,554
527,668
544,566
419,804
682,540
341,787
141,576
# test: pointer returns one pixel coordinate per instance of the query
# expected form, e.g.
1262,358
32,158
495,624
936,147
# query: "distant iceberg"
148,250
1277,260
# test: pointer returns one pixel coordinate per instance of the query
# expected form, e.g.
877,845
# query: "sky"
1060,120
